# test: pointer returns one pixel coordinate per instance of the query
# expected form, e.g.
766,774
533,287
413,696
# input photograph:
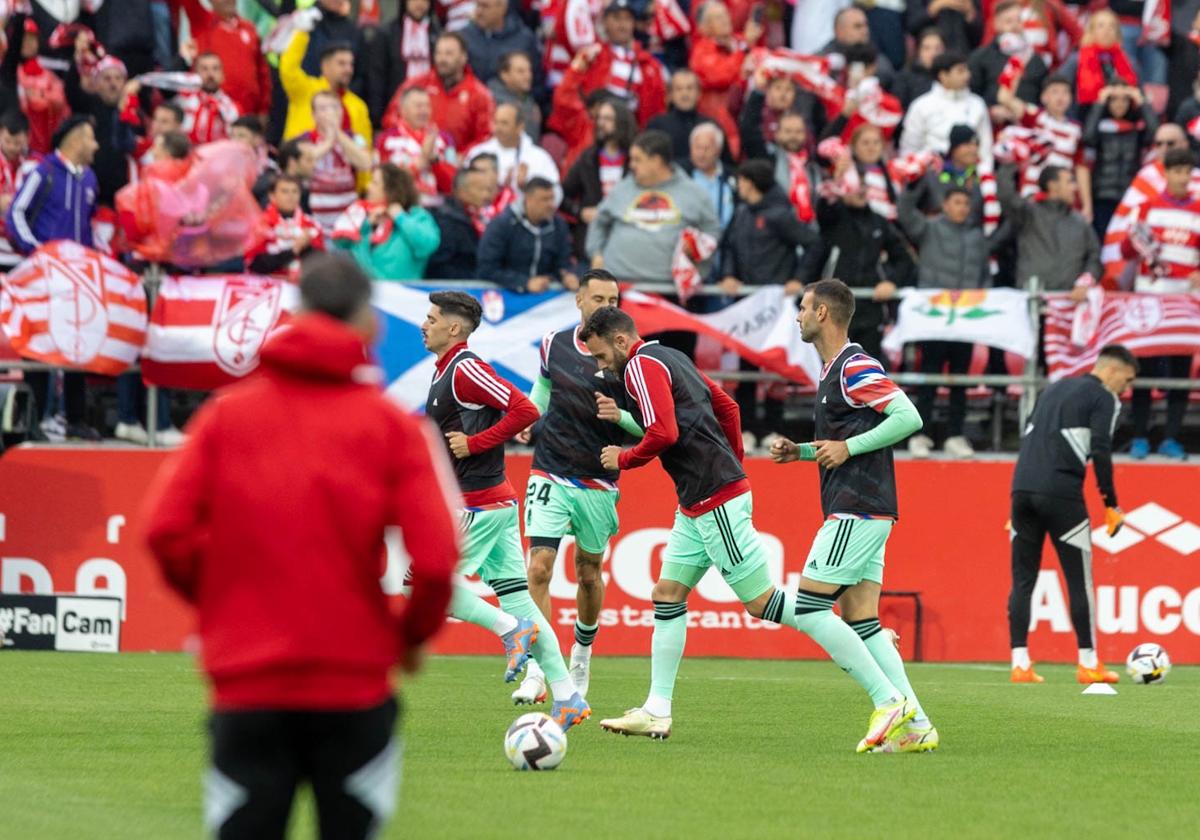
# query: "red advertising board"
69,523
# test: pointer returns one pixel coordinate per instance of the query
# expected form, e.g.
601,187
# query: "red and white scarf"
1156,23
800,186
414,46
349,225
625,75
694,246
670,21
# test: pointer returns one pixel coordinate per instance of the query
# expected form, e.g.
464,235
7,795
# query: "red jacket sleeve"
728,415
716,68
652,97
476,382
649,383
428,528
199,18
568,117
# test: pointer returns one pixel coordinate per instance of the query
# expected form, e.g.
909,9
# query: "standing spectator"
15,164
622,67
337,71
949,103
759,247
682,114
638,225
771,97
126,29
248,130
850,29
1101,61
462,106
513,83
291,705
285,233
1054,243
958,22
917,79
1120,126
953,254
390,234
38,90
527,247
866,152
331,23
401,50
339,160
1049,27
1147,59
795,171
457,252
960,168
719,60
886,19
517,156
99,91
572,116
601,166
1166,237
987,64
704,164
414,143
1062,135
57,201
492,33
209,112
456,14
865,103
234,40
167,118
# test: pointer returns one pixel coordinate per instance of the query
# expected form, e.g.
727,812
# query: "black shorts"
350,758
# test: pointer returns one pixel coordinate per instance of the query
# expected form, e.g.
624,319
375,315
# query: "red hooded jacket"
270,521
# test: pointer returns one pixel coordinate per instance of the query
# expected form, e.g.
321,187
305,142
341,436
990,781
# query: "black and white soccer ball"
535,742
1148,664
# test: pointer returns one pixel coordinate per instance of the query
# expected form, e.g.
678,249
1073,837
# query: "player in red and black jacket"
270,522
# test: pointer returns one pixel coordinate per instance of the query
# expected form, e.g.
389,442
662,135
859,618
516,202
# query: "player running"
1072,422
860,414
569,491
477,412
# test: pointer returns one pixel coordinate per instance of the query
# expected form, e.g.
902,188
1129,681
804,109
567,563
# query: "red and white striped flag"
206,332
71,306
1156,23
1149,325
1150,181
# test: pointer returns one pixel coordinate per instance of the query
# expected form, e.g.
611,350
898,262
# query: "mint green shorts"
848,551
724,537
492,544
553,510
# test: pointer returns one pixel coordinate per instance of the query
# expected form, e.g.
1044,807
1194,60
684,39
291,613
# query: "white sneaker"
54,428
959,447
131,433
920,446
532,689
749,441
170,436
581,662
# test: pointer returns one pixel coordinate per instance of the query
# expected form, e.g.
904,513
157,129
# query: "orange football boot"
1025,675
1099,674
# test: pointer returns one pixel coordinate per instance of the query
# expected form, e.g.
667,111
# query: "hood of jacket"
318,347
773,197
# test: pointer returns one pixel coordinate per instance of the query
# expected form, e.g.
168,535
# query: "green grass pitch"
100,747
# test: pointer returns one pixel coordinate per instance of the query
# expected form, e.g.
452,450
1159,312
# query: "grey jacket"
951,256
636,228
1054,243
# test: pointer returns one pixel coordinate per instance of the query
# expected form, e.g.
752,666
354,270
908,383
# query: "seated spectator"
15,163
389,234
1101,61
1166,241
1054,243
958,22
949,103
681,115
719,59
97,87
1119,129
526,247
917,79
601,166
517,156
704,165
462,106
296,158
769,98
414,143
988,63
459,222
492,33
497,196
850,28
513,83
234,40
399,51
209,112
638,225
622,67
339,161
285,233
337,71
953,254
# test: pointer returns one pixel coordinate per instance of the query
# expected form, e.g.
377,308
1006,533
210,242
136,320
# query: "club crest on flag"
77,321
1143,313
247,311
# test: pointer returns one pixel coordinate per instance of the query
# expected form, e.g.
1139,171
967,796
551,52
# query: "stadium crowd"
951,144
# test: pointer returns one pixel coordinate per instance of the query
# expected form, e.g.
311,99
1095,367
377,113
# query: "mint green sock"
815,618
465,605
884,652
545,650
781,609
666,648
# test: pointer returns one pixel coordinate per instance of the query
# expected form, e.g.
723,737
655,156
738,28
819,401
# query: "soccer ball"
535,742
1148,664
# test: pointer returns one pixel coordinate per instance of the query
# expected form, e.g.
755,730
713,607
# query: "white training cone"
1099,688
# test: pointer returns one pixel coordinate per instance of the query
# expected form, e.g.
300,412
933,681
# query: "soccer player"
1072,422
269,520
477,412
569,491
860,414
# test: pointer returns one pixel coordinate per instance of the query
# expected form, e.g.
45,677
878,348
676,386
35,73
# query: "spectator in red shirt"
719,60
208,113
235,41
462,105
623,67
286,234
415,143
262,532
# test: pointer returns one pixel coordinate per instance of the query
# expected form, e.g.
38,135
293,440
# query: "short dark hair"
460,178
334,285
537,182
759,172
176,144
489,156
176,111
836,296
864,53
453,36
1119,353
1004,6
281,178
956,189
459,305
1179,157
1049,175
290,151
14,121
1056,79
335,47
655,143
606,322
67,127
946,61
506,60
250,122
209,54
602,275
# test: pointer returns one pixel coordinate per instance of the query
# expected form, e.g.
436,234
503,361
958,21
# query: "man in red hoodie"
235,41
270,521
462,105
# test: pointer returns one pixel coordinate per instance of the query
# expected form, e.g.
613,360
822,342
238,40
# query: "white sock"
1088,658
657,706
533,671
1020,658
581,653
562,689
505,623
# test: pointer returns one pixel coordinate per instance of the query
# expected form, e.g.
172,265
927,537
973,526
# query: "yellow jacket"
300,87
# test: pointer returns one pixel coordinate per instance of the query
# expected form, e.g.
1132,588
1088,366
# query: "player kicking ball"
860,414
570,491
477,412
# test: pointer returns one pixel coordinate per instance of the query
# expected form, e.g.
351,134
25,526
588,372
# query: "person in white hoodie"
518,158
949,103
